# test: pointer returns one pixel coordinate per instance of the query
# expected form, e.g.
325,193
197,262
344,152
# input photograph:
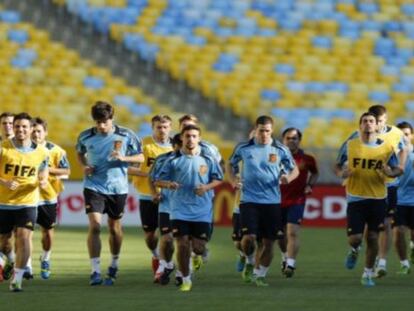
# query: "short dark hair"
40,121
366,114
23,116
378,110
162,118
176,140
190,127
102,111
263,120
188,117
405,125
6,114
291,129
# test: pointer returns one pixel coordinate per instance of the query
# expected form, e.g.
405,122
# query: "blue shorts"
292,214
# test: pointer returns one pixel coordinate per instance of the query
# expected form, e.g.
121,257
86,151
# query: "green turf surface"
321,282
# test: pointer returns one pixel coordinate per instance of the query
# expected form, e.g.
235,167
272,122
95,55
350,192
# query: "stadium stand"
314,64
45,78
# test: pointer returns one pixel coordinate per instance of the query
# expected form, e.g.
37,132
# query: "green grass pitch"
321,281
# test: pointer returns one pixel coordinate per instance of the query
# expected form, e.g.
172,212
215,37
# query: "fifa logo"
18,170
367,163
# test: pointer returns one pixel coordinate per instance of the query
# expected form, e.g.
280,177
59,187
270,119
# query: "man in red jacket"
294,197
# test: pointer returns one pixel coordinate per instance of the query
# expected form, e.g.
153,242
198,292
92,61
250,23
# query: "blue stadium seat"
18,36
93,83
10,17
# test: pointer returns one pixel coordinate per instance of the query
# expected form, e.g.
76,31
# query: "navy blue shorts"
391,200
111,204
149,215
19,218
165,223
46,215
370,212
237,232
196,229
292,214
404,216
261,220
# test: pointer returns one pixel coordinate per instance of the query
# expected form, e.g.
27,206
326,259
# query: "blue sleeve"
64,162
235,160
342,154
287,162
134,145
155,169
165,172
393,161
402,144
80,146
216,173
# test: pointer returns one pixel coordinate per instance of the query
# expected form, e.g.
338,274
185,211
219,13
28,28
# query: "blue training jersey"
210,150
262,167
406,182
189,171
164,205
109,176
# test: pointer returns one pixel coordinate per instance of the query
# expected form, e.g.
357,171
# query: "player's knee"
199,248
95,228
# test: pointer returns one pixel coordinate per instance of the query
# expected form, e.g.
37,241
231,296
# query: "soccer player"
266,165
394,136
105,151
211,150
6,245
152,146
190,175
47,208
404,214
23,169
294,197
166,265
370,159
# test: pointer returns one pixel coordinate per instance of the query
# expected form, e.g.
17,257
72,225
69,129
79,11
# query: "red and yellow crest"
272,158
203,169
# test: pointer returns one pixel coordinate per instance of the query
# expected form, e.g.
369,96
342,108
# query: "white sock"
411,244
355,249
2,262
242,254
405,263
160,269
263,270
368,272
170,265
382,262
115,261
18,275
163,263
96,264
284,256
29,264
250,259
291,262
178,273
155,253
187,279
256,271
46,255
11,256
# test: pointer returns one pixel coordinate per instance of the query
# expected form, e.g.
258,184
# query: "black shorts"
111,204
149,215
404,216
370,212
46,215
196,229
19,218
237,233
391,201
165,223
262,220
